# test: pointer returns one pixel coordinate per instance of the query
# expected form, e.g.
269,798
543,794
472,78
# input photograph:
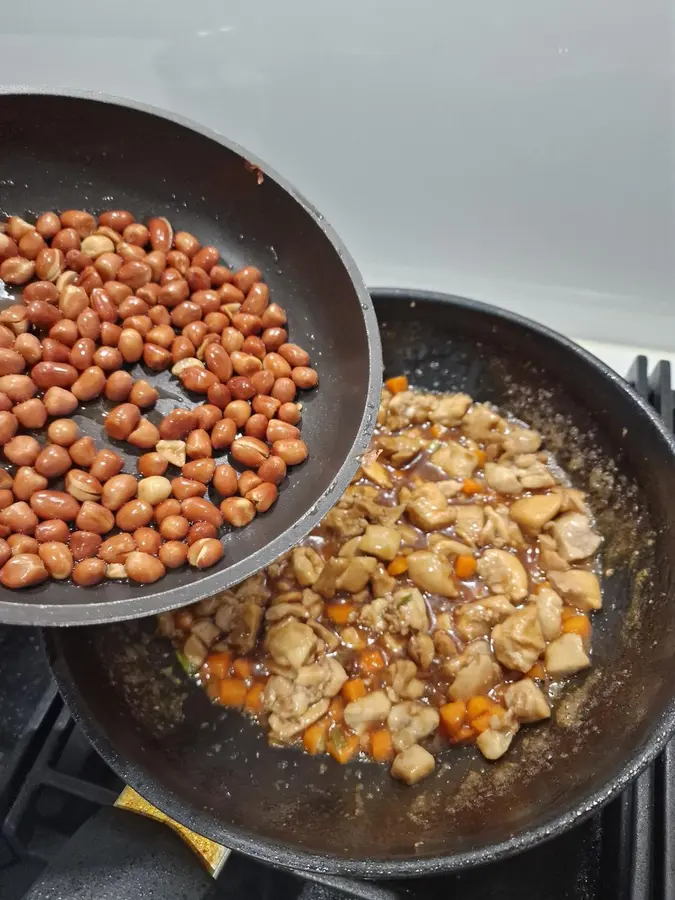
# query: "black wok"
62,152
213,771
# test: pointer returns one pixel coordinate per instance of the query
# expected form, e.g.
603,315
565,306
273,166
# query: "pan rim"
96,611
281,854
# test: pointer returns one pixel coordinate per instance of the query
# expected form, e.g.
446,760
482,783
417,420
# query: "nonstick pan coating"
213,770
63,152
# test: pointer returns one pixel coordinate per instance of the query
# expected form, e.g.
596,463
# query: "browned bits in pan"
100,293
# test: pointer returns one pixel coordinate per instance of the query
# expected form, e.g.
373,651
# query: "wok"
62,152
213,771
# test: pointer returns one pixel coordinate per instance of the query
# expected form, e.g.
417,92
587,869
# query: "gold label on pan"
213,855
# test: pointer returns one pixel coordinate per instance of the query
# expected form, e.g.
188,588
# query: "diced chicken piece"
476,619
360,713
421,649
477,672
449,410
327,582
402,448
166,625
527,702
502,478
326,675
413,764
504,573
330,640
566,655
522,440
381,542
499,530
410,722
282,610
469,522
285,730
518,641
549,558
372,615
532,513
533,473
195,652
449,487
455,460
444,546
291,643
496,740
381,582
576,539
254,590
345,522
307,565
350,548
405,684
206,630
549,609
428,508
431,572
572,499
408,408
579,587
246,627
444,644
312,602
483,424
411,610
377,473
357,574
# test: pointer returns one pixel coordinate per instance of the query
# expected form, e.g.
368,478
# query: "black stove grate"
52,781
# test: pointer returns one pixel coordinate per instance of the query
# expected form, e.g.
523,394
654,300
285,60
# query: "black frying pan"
64,152
212,770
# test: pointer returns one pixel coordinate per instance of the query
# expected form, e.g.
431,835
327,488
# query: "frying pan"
62,152
213,771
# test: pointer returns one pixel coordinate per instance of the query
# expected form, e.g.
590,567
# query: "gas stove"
52,781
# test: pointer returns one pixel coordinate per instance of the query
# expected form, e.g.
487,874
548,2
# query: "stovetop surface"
52,781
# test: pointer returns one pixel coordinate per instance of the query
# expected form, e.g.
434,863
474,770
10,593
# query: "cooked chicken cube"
527,702
469,522
291,643
285,730
518,641
421,649
496,740
503,478
476,619
483,424
366,710
455,460
579,587
413,764
504,573
532,513
477,672
402,448
327,582
449,410
381,542
381,582
403,682
432,573
428,508
411,721
206,630
411,610
566,655
307,565
195,652
522,440
549,609
327,675
576,539
357,574
548,554
376,473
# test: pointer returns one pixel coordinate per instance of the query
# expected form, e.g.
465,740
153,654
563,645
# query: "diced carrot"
242,668
341,745
437,430
218,664
580,625
213,689
465,733
397,566
453,715
537,671
381,747
232,692
471,486
254,697
340,613
465,566
481,456
477,705
314,738
397,384
336,710
482,723
568,612
371,660
354,689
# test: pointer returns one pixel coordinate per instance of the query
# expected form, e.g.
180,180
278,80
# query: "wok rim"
96,611
280,854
